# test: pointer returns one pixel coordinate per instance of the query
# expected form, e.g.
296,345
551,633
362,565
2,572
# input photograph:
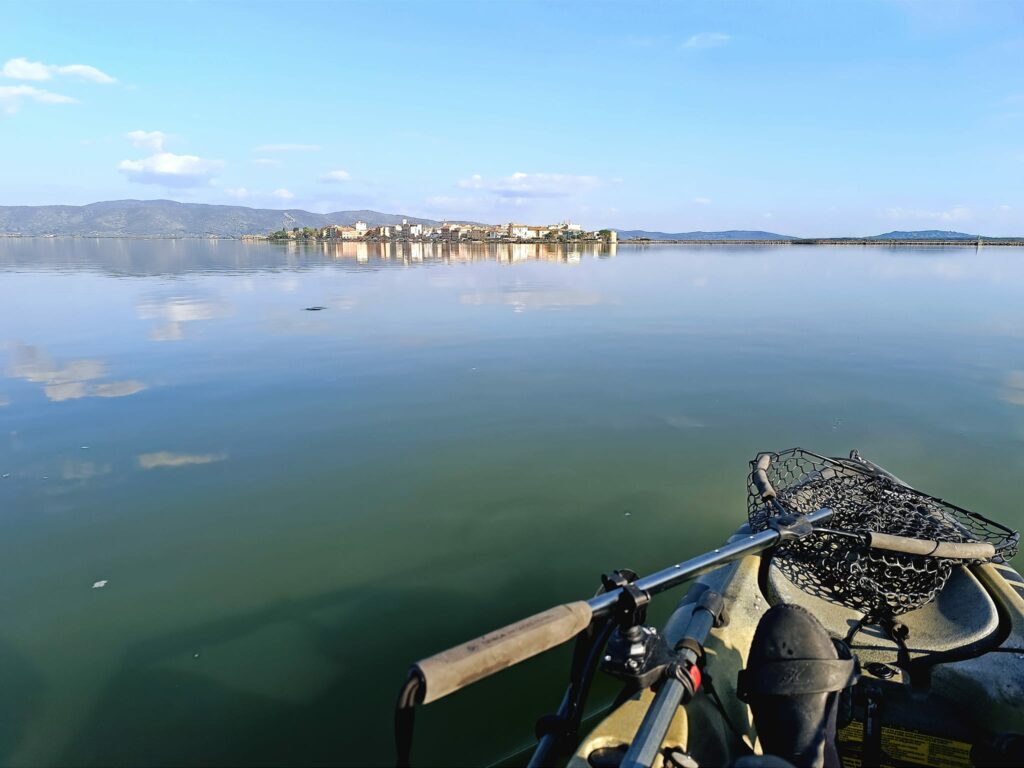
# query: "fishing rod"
446,672
784,520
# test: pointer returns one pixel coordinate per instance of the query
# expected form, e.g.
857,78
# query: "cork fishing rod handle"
954,550
760,476
450,670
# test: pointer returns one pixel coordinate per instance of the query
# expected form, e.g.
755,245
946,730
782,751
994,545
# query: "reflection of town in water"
142,257
445,252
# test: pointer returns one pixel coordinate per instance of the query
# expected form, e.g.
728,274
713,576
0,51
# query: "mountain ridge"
923,234
169,218
729,234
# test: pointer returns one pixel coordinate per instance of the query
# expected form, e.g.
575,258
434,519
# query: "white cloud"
240,192
707,40
956,213
336,176
702,200
283,194
288,148
85,72
11,97
450,201
23,69
266,161
1004,208
521,184
170,170
153,140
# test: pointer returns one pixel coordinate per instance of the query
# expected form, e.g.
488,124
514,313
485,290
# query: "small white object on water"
99,584
628,513
7,474
85,447
195,655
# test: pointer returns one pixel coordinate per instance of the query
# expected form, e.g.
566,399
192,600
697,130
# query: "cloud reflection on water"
168,459
74,469
68,381
521,299
1014,390
177,311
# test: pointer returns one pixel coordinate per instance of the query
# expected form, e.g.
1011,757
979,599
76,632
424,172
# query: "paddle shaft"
657,720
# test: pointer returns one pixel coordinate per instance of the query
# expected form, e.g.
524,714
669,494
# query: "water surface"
290,506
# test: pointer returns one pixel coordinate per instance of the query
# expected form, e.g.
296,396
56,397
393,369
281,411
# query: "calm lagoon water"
288,507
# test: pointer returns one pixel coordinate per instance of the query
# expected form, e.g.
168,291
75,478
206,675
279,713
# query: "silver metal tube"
657,721
658,718
675,575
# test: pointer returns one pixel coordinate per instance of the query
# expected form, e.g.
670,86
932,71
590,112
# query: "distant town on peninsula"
446,232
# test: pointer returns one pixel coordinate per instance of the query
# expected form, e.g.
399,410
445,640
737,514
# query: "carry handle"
953,550
450,670
760,477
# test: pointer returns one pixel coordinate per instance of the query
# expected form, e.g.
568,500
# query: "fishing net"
876,582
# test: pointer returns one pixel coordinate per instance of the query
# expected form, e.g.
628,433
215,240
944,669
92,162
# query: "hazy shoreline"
801,241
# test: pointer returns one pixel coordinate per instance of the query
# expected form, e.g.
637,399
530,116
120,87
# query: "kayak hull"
965,681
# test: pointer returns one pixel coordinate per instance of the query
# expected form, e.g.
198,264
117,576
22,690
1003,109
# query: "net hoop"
864,500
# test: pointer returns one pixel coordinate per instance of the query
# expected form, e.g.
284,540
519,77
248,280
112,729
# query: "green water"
289,507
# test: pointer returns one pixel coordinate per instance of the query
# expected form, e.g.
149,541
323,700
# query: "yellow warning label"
902,746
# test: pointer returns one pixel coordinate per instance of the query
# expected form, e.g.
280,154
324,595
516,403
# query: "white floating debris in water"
7,474
627,513
195,655
99,584
85,447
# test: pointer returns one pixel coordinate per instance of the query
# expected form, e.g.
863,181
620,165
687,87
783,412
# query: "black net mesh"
841,569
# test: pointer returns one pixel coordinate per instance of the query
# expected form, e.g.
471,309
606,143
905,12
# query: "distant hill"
924,234
167,218
731,234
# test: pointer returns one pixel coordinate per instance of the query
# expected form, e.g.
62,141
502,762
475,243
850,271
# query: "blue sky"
810,118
